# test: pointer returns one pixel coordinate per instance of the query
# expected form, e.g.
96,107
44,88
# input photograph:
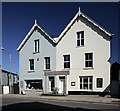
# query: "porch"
56,82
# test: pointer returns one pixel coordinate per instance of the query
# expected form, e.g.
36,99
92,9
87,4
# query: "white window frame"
88,60
80,38
29,65
36,45
47,63
65,61
88,77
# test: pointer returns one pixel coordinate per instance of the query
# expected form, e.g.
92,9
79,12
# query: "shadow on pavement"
37,106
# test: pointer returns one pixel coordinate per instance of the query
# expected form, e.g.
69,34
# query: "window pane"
67,65
78,42
90,56
36,45
86,63
90,86
82,42
99,82
86,56
82,34
47,66
80,86
90,63
85,80
31,64
66,57
85,86
78,35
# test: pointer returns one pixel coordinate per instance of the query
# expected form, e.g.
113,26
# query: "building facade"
37,53
80,65
9,78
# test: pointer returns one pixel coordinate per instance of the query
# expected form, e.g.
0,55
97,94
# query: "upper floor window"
47,63
36,45
66,61
80,38
89,60
31,64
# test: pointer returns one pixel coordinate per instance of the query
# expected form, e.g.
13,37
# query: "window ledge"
66,69
47,69
80,46
35,52
87,68
30,71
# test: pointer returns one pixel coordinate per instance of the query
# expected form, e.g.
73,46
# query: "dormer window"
80,38
36,46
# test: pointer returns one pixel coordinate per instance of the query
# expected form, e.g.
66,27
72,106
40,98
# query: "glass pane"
78,35
78,42
85,86
82,42
82,34
31,67
86,63
80,86
90,79
90,63
67,65
85,80
86,56
47,66
99,82
90,56
66,57
90,86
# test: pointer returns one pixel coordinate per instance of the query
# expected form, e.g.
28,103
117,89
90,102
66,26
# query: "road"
11,103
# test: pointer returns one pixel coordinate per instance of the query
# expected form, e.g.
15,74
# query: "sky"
18,18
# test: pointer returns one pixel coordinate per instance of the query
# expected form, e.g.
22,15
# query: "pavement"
77,98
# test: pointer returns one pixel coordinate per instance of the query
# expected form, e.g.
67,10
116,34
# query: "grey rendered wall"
4,79
47,49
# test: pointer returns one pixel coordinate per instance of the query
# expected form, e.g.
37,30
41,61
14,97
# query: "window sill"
87,68
80,46
47,69
30,71
35,52
66,69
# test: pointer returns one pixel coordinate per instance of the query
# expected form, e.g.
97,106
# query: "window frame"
36,46
80,38
88,60
66,61
32,64
82,83
45,67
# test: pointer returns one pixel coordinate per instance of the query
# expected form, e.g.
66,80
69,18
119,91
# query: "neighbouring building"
76,61
9,78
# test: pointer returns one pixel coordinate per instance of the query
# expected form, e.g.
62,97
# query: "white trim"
29,65
79,13
89,19
32,29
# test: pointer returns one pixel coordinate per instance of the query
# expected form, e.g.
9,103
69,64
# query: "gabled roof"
29,33
80,13
56,40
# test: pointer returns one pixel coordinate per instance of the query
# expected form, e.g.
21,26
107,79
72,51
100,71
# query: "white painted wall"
96,42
